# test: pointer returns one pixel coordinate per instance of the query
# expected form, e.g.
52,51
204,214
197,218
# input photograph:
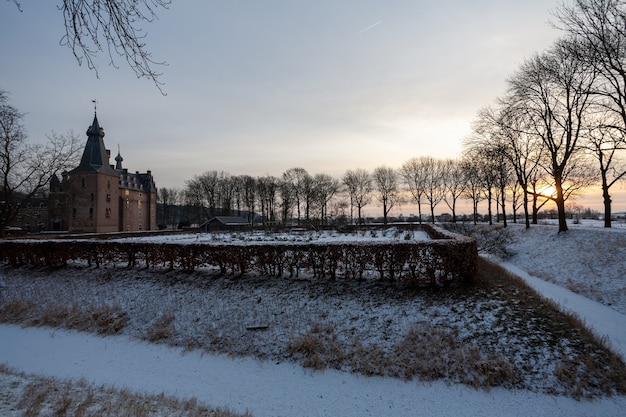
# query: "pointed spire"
95,157
95,129
118,159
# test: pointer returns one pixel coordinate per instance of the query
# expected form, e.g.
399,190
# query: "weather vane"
94,105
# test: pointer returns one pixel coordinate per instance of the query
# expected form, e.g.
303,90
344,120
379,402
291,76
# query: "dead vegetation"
495,332
102,319
35,396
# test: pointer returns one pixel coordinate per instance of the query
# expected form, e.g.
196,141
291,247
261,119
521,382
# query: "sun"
547,191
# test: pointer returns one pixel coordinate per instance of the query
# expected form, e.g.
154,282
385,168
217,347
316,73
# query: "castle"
96,197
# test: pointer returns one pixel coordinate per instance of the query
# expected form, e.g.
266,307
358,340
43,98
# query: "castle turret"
95,157
118,160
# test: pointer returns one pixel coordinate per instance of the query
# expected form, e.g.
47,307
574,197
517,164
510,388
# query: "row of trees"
320,199
562,121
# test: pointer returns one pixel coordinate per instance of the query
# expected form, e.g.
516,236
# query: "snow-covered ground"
582,256
295,236
588,259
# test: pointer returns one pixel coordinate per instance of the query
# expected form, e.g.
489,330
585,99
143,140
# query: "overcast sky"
257,87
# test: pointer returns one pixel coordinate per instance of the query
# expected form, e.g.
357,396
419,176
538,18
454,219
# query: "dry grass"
426,352
34,396
162,329
102,319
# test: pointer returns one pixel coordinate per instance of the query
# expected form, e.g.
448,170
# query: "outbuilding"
225,223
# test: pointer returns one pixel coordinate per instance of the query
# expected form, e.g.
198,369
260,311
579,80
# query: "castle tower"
97,197
94,187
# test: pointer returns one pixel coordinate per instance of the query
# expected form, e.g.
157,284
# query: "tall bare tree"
359,184
267,188
169,199
325,188
454,184
386,185
598,28
473,190
298,183
434,188
26,169
607,146
554,90
414,173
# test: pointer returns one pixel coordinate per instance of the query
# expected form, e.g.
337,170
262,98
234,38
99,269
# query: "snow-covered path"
603,320
266,389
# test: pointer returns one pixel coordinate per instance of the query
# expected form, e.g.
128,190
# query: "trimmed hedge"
445,259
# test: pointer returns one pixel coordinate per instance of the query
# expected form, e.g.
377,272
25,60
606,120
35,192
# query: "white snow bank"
266,389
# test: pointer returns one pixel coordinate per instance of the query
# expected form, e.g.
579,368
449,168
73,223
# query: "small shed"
225,223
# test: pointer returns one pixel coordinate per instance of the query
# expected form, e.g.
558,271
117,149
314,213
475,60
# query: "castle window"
74,212
108,198
91,212
107,213
82,182
108,184
92,196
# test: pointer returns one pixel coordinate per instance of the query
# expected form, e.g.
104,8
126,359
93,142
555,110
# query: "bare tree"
226,191
414,173
473,190
606,145
287,200
488,145
554,90
169,198
95,26
267,188
521,147
434,188
27,169
386,184
454,183
203,191
359,185
599,33
298,183
325,187
249,195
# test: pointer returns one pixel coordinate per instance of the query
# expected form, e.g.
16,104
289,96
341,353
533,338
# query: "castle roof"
95,157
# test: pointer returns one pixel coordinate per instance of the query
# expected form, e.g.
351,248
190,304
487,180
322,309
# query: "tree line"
300,198
560,126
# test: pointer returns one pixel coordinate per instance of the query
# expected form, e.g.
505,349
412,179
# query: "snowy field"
590,261
295,236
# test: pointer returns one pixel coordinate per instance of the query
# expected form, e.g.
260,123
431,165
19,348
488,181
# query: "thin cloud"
372,26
